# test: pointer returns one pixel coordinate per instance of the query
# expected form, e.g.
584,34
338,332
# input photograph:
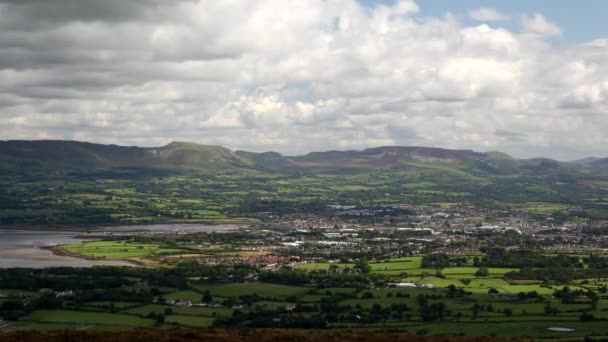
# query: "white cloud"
537,24
487,14
297,76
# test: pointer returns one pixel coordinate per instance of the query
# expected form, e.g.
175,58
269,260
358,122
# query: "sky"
526,77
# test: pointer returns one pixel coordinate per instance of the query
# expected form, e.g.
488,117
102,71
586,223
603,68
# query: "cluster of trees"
499,257
557,274
569,296
596,261
215,273
477,308
431,311
101,277
262,319
286,277
454,292
322,278
11,310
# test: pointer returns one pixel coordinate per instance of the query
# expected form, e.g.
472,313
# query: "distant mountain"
593,162
387,157
588,160
190,157
600,163
438,159
74,155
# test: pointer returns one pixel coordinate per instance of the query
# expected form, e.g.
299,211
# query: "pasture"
261,289
118,249
180,310
85,317
190,321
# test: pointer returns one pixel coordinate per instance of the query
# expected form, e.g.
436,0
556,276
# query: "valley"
413,240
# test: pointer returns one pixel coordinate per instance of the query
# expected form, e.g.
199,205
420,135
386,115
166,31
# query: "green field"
118,249
526,318
83,317
261,289
180,310
184,295
116,305
190,321
104,194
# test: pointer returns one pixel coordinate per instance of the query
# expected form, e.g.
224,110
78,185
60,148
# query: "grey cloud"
44,12
503,133
289,76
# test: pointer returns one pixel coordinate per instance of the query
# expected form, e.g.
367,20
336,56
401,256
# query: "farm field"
472,311
462,277
84,317
180,310
190,321
115,305
118,249
225,194
261,289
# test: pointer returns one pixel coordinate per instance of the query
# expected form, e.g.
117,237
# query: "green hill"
74,155
194,158
69,182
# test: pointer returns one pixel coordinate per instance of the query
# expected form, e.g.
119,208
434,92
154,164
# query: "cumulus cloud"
487,14
537,24
296,76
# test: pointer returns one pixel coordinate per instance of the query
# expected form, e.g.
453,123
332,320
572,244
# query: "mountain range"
18,155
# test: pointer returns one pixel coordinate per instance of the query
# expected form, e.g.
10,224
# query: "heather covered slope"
153,335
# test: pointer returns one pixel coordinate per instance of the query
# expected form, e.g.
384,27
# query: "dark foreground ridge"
216,335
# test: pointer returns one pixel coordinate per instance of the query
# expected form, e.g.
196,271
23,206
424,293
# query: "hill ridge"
195,157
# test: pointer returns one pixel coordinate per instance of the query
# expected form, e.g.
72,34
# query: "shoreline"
59,251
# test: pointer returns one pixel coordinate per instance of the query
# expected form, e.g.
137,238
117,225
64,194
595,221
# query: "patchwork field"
502,316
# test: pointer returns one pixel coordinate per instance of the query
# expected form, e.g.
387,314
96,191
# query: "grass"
471,270
118,249
543,207
83,317
189,321
411,266
16,292
261,289
180,310
117,305
184,295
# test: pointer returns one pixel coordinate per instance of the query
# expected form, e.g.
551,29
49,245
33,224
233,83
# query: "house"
331,235
183,303
409,285
65,293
